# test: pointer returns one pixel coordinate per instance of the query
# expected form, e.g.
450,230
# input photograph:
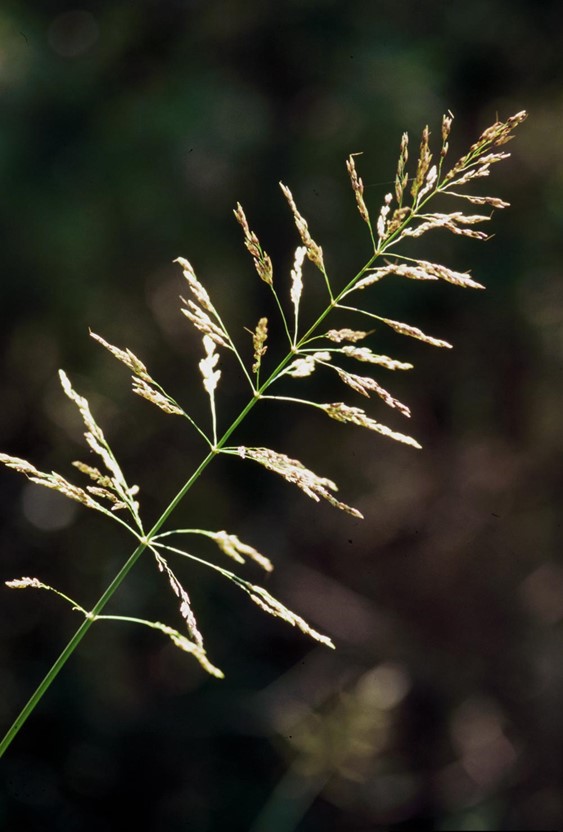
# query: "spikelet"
401,269
314,251
352,335
208,364
414,332
296,473
440,272
303,367
424,159
493,201
447,121
191,647
96,440
454,222
197,289
357,187
365,354
125,356
259,337
297,279
53,480
143,384
382,222
429,183
25,583
398,218
364,385
419,270
494,136
202,322
402,177
355,415
156,397
272,606
237,550
201,311
262,261
185,604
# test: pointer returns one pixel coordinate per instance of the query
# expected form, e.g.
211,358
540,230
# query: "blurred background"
129,131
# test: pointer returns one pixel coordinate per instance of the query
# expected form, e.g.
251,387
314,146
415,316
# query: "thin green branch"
282,314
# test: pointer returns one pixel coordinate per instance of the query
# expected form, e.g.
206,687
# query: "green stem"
49,678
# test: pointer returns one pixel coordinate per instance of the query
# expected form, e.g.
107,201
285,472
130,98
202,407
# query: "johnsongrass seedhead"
311,348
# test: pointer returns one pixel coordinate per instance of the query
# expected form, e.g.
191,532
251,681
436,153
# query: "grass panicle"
403,214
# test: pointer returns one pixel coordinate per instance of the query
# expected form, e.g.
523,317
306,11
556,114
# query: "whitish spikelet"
352,335
259,337
303,367
382,221
296,473
365,354
271,605
297,279
429,182
208,364
25,583
314,251
237,550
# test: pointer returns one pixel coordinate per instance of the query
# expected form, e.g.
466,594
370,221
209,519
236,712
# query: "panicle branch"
356,416
314,251
185,603
402,177
366,355
364,385
296,473
237,550
357,187
116,483
201,311
259,337
143,383
272,606
262,261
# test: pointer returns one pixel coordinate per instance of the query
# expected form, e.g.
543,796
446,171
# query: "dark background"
129,130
